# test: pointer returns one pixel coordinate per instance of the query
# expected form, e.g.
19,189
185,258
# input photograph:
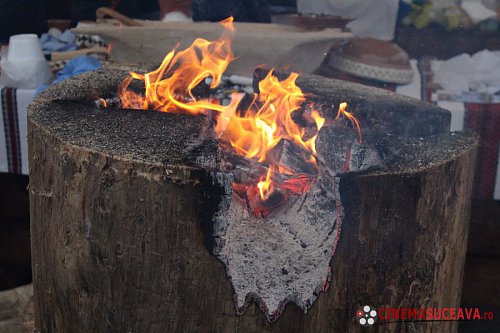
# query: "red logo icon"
366,315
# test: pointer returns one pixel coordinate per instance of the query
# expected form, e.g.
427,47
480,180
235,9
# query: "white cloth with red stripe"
458,82
13,129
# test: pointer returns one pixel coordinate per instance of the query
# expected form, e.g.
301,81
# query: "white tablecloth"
13,129
487,181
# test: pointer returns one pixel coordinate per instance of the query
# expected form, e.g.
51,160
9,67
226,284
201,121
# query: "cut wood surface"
121,219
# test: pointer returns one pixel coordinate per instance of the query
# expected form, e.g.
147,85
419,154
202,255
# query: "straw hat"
372,59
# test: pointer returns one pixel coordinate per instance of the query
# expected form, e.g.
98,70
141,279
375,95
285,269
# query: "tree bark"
121,241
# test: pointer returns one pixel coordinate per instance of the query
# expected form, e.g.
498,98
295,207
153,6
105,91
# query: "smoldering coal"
284,258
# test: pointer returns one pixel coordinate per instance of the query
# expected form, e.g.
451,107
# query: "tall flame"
253,133
257,131
169,88
268,120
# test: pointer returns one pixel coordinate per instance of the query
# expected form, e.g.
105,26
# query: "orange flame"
169,88
265,185
253,133
351,117
267,121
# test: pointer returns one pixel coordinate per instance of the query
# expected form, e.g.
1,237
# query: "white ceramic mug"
24,66
24,47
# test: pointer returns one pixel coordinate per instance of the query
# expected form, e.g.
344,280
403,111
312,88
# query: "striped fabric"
496,193
13,129
484,119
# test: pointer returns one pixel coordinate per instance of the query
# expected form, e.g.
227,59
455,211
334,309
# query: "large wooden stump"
121,218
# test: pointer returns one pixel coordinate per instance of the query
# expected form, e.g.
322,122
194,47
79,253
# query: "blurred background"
445,52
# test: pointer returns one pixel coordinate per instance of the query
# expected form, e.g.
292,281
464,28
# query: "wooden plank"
253,44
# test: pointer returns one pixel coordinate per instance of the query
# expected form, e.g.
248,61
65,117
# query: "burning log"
137,226
292,157
114,102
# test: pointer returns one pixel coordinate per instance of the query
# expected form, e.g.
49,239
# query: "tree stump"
122,206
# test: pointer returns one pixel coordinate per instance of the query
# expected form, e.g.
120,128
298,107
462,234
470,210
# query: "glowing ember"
103,101
272,116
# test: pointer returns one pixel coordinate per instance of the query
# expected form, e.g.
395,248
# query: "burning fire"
272,117
257,131
169,88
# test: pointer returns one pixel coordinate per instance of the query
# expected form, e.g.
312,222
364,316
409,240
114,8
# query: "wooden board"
254,43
